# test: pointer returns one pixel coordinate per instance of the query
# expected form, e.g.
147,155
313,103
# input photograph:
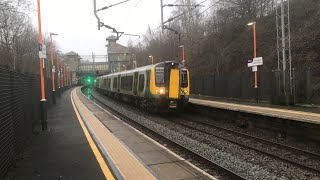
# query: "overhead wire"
138,3
195,6
209,7
174,17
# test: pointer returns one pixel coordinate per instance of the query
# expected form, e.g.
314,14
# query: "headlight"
161,91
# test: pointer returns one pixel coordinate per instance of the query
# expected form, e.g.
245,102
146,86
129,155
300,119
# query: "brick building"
118,55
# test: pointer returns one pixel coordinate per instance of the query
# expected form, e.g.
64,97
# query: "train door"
135,83
119,83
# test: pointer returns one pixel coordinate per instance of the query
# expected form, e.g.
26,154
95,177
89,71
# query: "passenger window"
126,83
141,82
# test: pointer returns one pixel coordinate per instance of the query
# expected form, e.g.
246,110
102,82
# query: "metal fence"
19,111
240,86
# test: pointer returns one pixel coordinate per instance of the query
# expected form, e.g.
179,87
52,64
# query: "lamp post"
182,54
253,24
43,100
58,69
151,58
135,63
64,76
53,69
61,76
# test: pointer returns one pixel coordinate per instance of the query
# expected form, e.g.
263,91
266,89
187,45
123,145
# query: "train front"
171,85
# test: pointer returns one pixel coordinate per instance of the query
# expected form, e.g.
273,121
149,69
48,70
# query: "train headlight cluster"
160,91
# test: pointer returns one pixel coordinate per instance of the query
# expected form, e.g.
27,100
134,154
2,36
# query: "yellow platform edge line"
104,167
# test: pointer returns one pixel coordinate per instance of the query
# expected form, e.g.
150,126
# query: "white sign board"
257,61
42,51
254,68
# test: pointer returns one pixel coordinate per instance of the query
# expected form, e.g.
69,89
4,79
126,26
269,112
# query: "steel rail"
248,147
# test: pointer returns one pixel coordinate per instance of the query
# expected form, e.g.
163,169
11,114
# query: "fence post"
276,87
294,85
308,85
11,79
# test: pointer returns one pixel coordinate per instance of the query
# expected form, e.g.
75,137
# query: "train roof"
137,69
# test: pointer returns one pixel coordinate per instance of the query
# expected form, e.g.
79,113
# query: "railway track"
246,141
225,171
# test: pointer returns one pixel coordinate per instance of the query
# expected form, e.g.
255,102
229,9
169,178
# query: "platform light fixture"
151,58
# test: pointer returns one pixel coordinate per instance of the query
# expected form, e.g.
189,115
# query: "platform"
296,115
147,156
87,142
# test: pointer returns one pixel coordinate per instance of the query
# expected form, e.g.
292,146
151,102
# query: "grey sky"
76,25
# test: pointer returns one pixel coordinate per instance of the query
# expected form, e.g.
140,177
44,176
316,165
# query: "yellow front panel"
152,81
174,83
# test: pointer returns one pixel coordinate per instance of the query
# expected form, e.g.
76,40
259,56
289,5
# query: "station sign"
42,51
254,68
257,61
250,63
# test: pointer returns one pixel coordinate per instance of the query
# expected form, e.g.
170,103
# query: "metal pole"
61,76
52,72
289,50
284,68
58,68
183,60
95,13
255,55
43,101
277,26
161,4
64,76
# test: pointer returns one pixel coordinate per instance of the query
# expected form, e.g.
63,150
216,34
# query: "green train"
165,85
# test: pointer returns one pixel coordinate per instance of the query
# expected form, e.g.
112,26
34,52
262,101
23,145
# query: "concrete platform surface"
61,153
296,115
157,159
122,162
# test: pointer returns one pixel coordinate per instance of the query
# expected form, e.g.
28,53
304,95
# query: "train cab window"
159,76
115,83
141,82
184,78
